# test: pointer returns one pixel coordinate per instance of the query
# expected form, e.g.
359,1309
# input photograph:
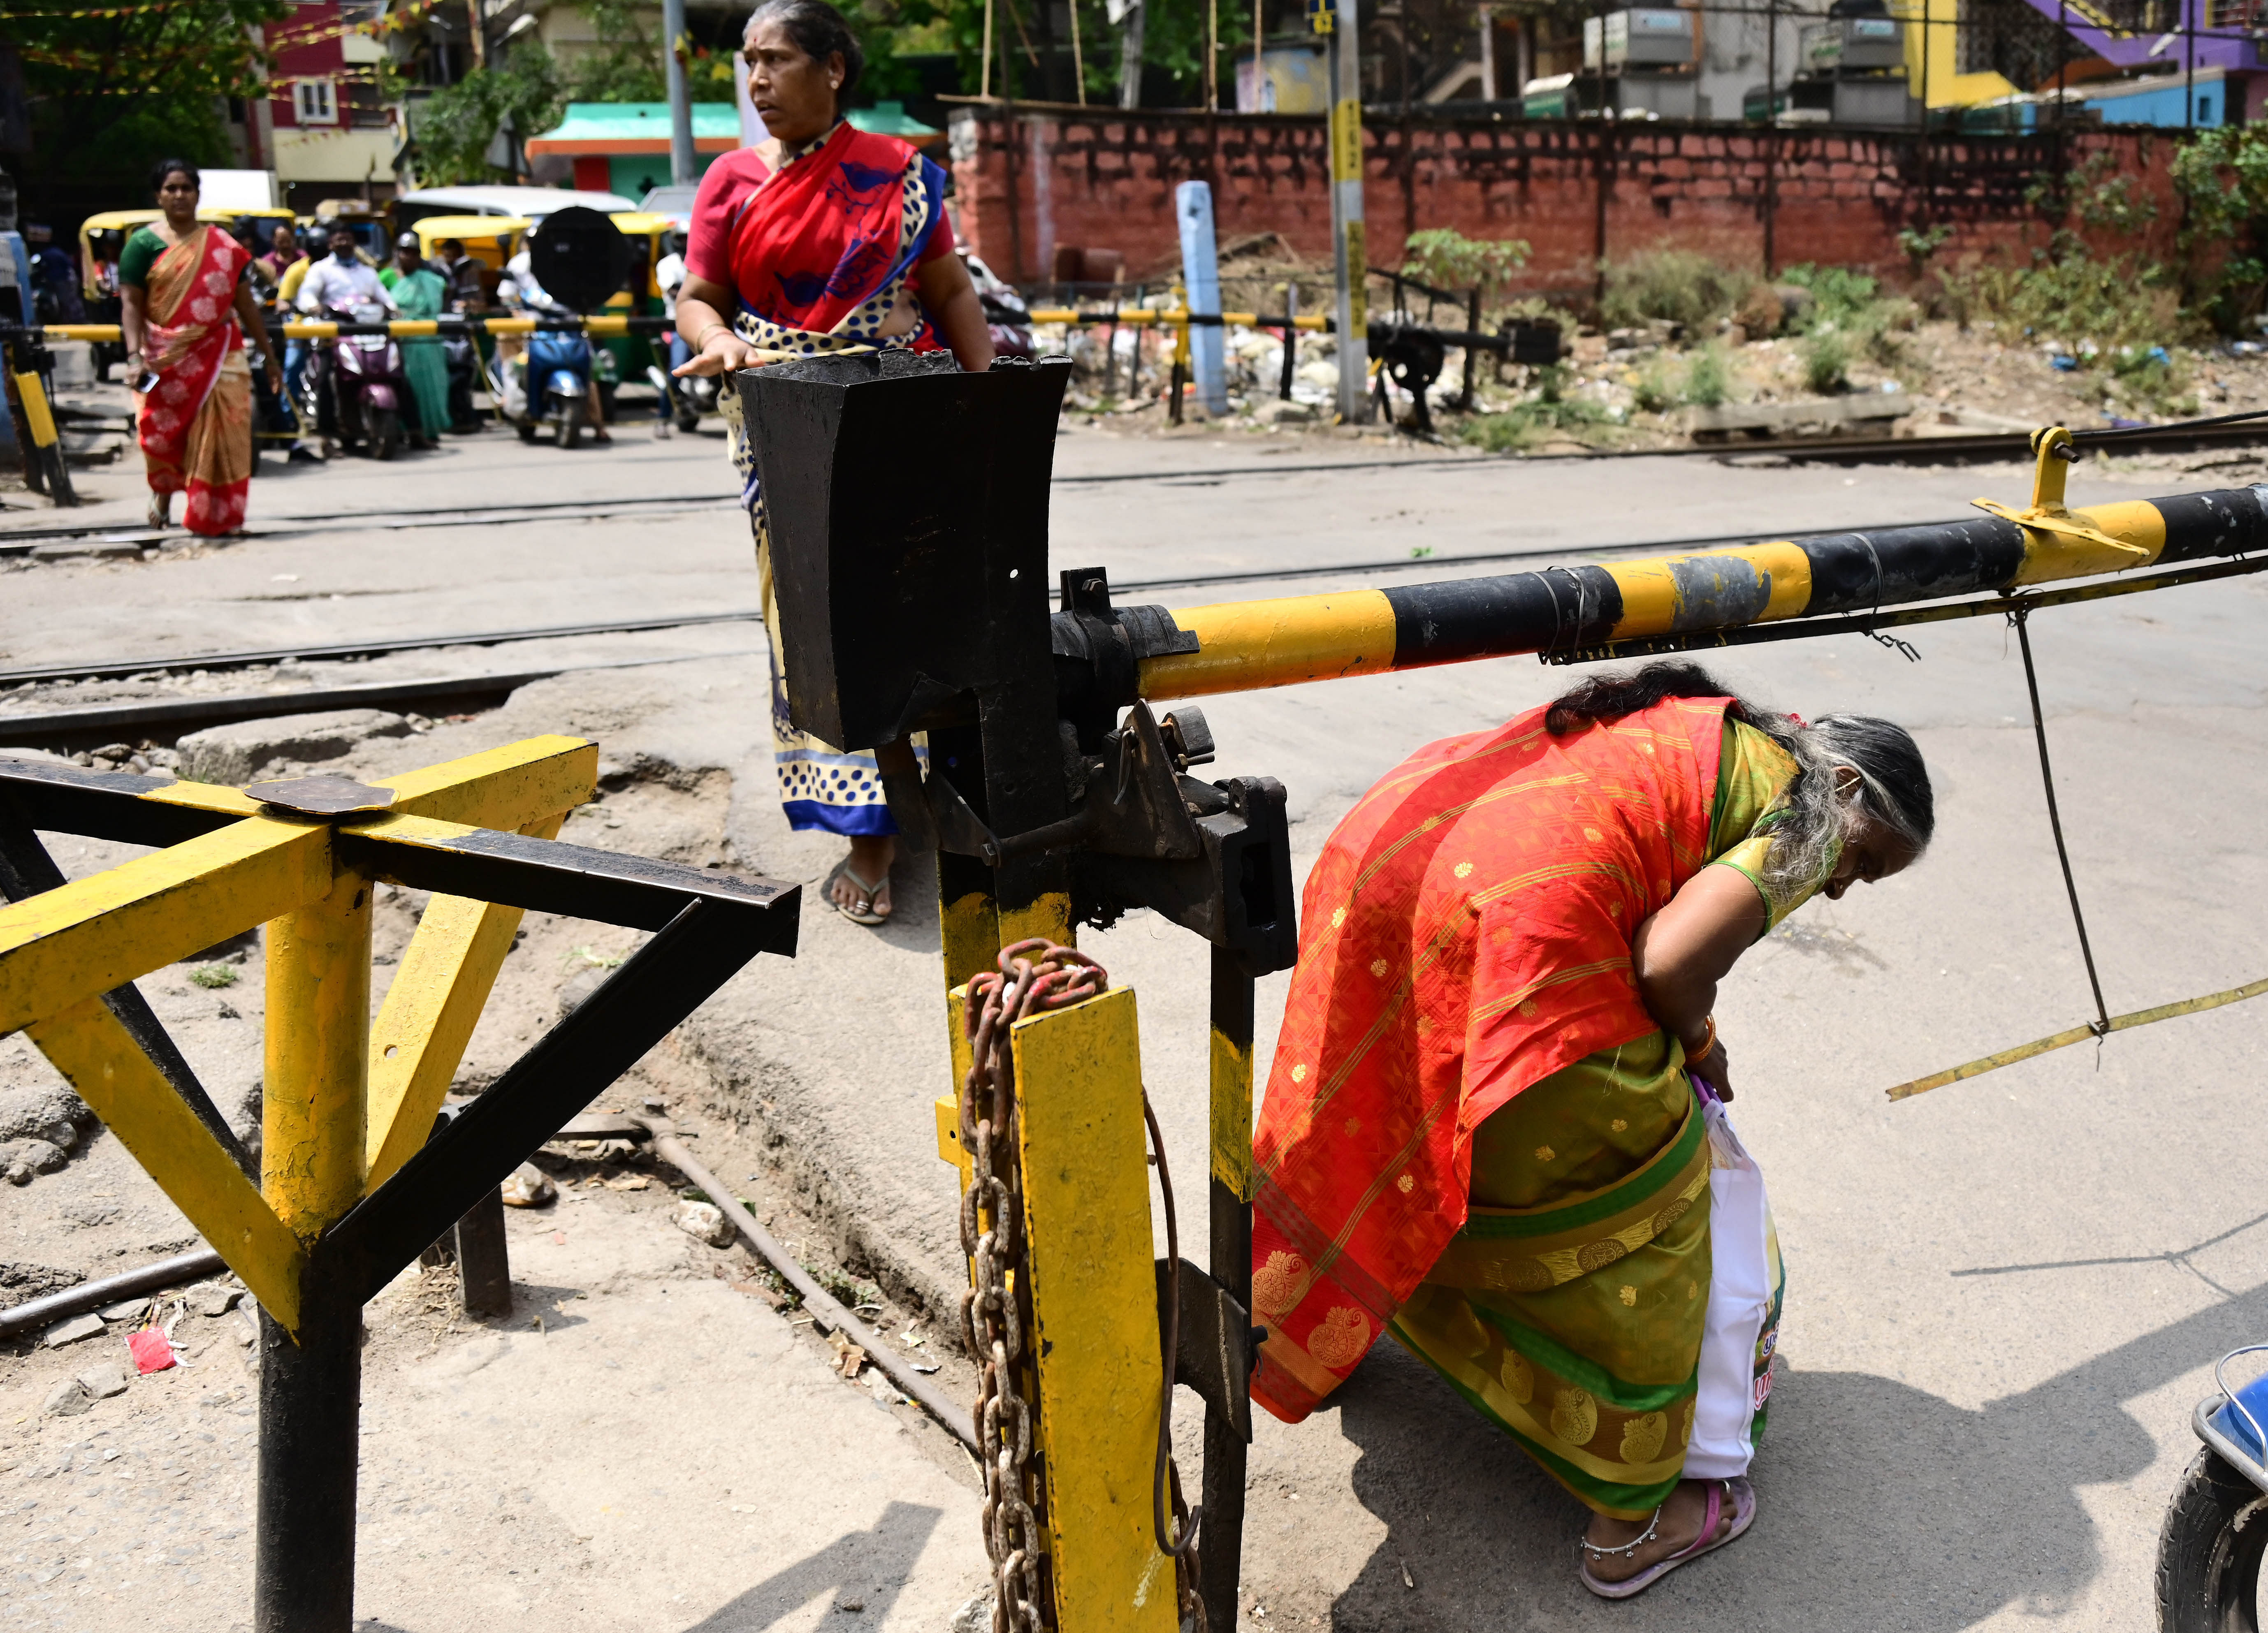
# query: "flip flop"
1744,1499
857,914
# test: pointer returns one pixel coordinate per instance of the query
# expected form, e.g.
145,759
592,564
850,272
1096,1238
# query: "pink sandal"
1738,1492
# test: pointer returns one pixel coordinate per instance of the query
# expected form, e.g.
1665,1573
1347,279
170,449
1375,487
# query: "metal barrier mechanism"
1056,797
358,1171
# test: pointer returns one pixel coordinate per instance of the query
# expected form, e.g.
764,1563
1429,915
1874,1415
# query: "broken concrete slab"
1828,414
103,1380
234,753
68,1398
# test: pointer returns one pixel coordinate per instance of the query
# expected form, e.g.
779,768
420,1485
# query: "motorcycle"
690,397
2216,1530
358,385
461,356
548,384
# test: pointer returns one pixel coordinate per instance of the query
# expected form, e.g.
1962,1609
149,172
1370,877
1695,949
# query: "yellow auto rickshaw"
640,295
489,240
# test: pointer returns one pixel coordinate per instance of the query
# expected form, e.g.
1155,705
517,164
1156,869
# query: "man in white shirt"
342,279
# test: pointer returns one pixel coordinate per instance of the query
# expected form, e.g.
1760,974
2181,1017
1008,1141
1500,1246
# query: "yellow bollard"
315,1091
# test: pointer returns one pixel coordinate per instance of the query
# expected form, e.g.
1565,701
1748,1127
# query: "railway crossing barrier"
1056,797
357,1172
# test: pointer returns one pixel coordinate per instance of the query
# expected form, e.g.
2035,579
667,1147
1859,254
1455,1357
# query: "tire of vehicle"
570,425
2209,1551
688,421
528,429
385,433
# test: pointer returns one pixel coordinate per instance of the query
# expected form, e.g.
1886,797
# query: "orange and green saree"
195,425
1474,1136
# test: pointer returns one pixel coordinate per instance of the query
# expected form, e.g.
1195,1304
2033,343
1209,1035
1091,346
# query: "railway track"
1981,447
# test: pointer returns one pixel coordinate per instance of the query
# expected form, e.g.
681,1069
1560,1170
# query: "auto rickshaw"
101,240
489,241
640,296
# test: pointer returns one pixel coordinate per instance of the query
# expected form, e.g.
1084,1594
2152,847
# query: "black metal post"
310,1413
1222,1541
483,1263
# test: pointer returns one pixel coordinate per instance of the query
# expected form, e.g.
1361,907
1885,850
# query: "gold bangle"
701,343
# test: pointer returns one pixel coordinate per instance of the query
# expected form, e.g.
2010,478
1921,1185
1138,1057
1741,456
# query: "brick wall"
1042,176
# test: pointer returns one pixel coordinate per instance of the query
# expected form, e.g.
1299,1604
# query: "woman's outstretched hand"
721,353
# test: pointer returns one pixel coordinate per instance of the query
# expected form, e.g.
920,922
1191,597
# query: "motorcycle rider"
343,278
55,294
520,289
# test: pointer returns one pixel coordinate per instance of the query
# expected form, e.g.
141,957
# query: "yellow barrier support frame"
351,1186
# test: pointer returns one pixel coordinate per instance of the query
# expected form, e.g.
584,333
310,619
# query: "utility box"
1855,44
1654,39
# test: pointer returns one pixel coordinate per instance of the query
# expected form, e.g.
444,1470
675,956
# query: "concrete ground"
2004,1296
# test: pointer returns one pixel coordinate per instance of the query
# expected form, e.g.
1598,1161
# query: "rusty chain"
1034,975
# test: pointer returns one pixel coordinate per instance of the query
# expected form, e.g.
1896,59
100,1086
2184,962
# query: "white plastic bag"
1737,1343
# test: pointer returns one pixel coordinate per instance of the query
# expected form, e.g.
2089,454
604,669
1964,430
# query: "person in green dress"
420,293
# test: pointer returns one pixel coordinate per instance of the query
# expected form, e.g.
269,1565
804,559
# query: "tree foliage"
626,64
111,94
454,128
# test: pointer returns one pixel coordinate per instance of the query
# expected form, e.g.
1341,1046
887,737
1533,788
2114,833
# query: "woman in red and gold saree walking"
185,310
1495,1126
835,240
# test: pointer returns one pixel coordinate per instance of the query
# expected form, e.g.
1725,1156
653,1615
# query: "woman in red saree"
834,241
186,312
1495,1127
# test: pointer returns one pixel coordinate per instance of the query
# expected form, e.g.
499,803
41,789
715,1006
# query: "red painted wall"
306,44
1106,179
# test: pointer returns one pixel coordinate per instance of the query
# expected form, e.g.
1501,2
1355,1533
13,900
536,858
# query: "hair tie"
1799,720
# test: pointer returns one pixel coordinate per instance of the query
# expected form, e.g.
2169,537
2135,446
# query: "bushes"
1676,284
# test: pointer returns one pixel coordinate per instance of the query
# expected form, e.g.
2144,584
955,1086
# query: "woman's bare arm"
1682,952
952,305
701,320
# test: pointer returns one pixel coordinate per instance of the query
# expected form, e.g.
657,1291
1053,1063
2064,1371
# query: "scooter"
2216,1530
548,385
360,379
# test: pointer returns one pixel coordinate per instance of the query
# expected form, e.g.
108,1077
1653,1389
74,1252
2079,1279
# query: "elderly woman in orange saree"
185,310
1495,1126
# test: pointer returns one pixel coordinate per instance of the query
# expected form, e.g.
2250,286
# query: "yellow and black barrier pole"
358,1174
1825,584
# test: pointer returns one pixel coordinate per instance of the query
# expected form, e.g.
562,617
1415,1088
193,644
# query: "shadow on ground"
865,1568
1880,1506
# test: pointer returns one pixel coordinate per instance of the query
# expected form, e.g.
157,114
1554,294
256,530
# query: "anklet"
1629,1548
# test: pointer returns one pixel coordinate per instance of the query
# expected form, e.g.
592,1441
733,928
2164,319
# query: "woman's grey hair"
1893,785
820,32
1893,788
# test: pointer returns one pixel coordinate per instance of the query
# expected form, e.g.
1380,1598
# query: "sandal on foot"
868,888
1739,1494
160,512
